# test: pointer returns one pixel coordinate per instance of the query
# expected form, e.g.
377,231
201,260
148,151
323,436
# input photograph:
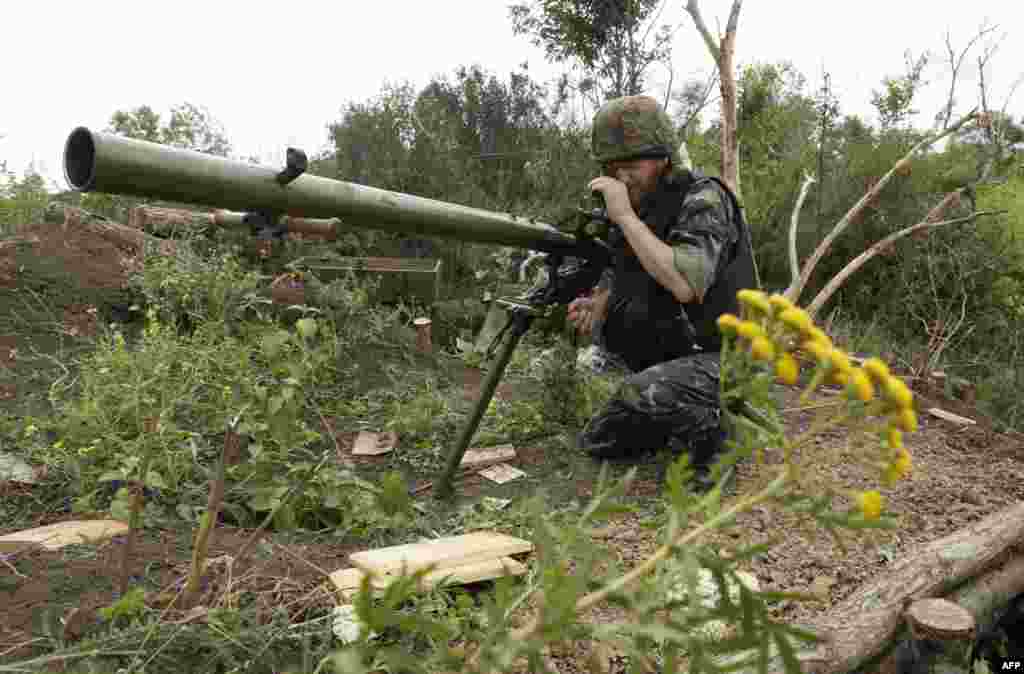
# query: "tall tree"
610,44
895,100
190,127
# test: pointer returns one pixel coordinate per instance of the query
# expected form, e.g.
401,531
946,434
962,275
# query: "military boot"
705,450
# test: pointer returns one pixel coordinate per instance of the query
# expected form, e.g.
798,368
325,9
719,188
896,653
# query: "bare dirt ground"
961,474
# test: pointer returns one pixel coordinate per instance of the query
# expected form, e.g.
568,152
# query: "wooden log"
169,220
121,235
176,220
987,594
864,625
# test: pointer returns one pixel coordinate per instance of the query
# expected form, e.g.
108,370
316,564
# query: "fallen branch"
861,626
878,247
795,288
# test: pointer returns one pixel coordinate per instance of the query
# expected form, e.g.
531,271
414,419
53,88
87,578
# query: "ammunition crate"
399,277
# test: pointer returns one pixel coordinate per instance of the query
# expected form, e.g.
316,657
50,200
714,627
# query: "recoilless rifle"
573,260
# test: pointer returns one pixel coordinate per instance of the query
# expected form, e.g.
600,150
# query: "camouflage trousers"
670,405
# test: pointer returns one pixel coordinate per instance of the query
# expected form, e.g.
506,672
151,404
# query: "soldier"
681,254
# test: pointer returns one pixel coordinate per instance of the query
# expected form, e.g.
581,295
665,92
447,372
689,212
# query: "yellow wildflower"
762,348
754,299
897,392
877,369
728,324
818,335
861,385
780,303
750,330
905,419
820,351
787,369
841,368
903,463
797,318
840,360
870,503
895,438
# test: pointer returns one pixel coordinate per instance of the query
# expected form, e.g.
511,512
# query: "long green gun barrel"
107,163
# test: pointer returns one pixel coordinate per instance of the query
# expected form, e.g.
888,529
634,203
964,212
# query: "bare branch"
702,28
734,17
879,246
795,288
1013,90
794,262
668,90
653,21
955,63
704,101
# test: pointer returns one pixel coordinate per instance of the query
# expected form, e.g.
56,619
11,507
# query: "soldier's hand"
581,315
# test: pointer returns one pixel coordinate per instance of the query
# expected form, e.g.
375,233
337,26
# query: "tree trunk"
727,85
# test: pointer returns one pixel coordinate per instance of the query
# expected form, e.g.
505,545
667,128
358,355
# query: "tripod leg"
520,324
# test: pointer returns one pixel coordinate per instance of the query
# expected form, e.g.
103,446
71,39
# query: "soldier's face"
639,175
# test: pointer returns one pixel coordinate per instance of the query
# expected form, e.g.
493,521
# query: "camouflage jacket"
645,323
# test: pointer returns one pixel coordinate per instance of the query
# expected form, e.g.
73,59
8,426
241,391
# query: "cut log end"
940,620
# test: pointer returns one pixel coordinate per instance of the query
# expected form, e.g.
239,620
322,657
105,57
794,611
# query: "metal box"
399,276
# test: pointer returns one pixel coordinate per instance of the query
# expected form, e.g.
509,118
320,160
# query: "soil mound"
81,255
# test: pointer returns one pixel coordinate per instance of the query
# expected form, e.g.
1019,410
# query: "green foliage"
22,200
187,289
189,127
129,607
894,101
607,40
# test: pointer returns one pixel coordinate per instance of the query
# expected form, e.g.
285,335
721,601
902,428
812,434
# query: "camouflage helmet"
635,127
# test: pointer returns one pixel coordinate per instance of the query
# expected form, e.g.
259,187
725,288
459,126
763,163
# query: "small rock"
821,587
972,498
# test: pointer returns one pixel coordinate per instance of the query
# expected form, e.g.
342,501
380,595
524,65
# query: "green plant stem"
202,542
138,501
138,498
817,427
649,564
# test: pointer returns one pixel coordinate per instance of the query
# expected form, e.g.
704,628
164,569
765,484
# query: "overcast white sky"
275,74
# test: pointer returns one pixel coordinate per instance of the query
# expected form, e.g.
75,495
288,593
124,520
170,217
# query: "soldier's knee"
601,446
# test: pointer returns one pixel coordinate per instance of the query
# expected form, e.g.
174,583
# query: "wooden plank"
374,444
56,536
470,573
446,553
347,581
949,416
481,458
502,473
